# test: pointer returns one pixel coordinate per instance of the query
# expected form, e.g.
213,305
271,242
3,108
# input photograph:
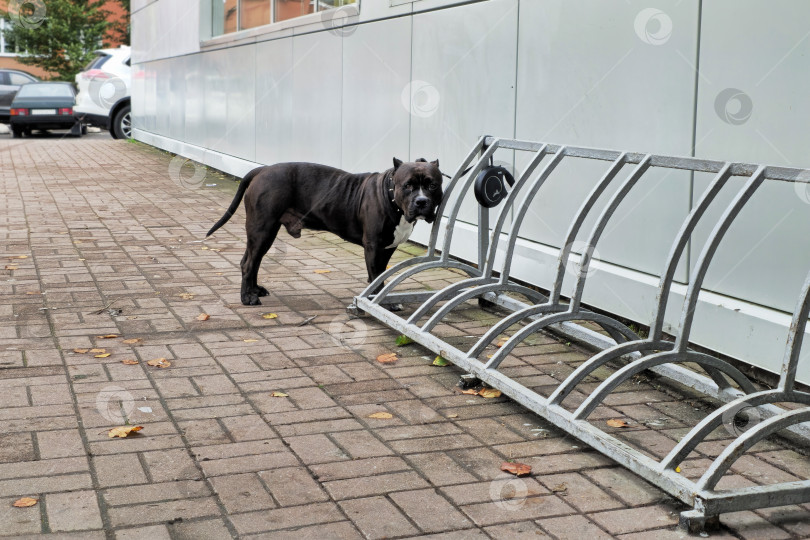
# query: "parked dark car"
43,106
10,81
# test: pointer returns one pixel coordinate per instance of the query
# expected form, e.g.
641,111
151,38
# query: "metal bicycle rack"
624,347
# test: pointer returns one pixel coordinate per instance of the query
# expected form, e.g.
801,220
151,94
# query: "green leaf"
441,362
403,340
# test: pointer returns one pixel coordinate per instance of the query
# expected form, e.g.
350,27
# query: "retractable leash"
490,184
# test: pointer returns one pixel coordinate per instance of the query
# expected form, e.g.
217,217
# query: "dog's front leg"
377,258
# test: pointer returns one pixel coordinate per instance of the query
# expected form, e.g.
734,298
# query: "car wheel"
122,124
27,132
16,132
84,129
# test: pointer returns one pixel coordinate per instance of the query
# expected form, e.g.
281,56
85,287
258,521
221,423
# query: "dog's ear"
421,160
397,163
435,163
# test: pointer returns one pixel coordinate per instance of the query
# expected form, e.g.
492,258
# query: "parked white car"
104,92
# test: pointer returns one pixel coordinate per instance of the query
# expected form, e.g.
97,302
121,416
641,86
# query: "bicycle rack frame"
653,353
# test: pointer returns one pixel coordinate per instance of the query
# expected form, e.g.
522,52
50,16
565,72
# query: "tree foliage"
58,36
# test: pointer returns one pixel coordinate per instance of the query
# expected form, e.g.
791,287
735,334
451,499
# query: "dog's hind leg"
259,241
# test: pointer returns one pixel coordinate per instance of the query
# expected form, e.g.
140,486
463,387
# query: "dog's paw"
393,307
251,300
262,291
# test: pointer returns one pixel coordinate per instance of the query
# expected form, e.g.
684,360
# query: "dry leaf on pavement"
502,342
123,431
11,267
250,340
80,351
321,271
269,316
97,351
130,362
441,361
25,502
18,257
560,488
518,469
107,336
381,415
186,296
387,358
131,341
105,355
279,394
159,362
470,392
203,317
489,393
617,422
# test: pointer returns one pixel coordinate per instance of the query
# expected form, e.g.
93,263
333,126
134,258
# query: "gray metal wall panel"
274,100
194,123
376,123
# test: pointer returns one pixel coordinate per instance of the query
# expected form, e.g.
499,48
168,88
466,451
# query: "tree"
57,35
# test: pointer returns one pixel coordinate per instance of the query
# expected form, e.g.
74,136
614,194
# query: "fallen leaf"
159,362
403,340
130,362
321,271
269,316
131,341
518,469
617,423
33,292
186,296
107,336
387,358
470,392
250,340
489,393
560,488
25,502
441,362
502,342
454,415
203,317
677,469
10,267
205,247
123,431
215,249
18,257
219,273
381,415
105,355
98,351
279,394
80,351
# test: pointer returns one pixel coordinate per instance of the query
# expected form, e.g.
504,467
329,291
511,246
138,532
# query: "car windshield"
45,90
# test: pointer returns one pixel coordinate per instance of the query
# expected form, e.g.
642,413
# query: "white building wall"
584,72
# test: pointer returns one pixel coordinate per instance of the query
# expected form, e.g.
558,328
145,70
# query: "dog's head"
417,188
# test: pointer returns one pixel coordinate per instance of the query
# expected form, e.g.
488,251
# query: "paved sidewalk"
111,236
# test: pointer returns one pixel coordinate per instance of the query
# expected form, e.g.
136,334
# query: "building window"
234,15
7,47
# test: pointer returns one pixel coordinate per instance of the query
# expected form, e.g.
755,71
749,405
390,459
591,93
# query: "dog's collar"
388,189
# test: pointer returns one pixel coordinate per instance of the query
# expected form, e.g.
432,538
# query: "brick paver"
108,242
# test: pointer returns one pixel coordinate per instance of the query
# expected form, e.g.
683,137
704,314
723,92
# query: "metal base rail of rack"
633,353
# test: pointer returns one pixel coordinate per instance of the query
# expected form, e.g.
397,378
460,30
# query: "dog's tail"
240,192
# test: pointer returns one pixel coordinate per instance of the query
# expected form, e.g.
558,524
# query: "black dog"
374,210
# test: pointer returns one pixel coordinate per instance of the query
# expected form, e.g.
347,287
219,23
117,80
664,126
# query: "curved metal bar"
442,294
599,227
706,255
599,360
478,291
462,190
741,444
524,207
504,213
795,337
379,280
508,321
434,232
696,435
555,318
679,245
437,263
668,357
576,225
